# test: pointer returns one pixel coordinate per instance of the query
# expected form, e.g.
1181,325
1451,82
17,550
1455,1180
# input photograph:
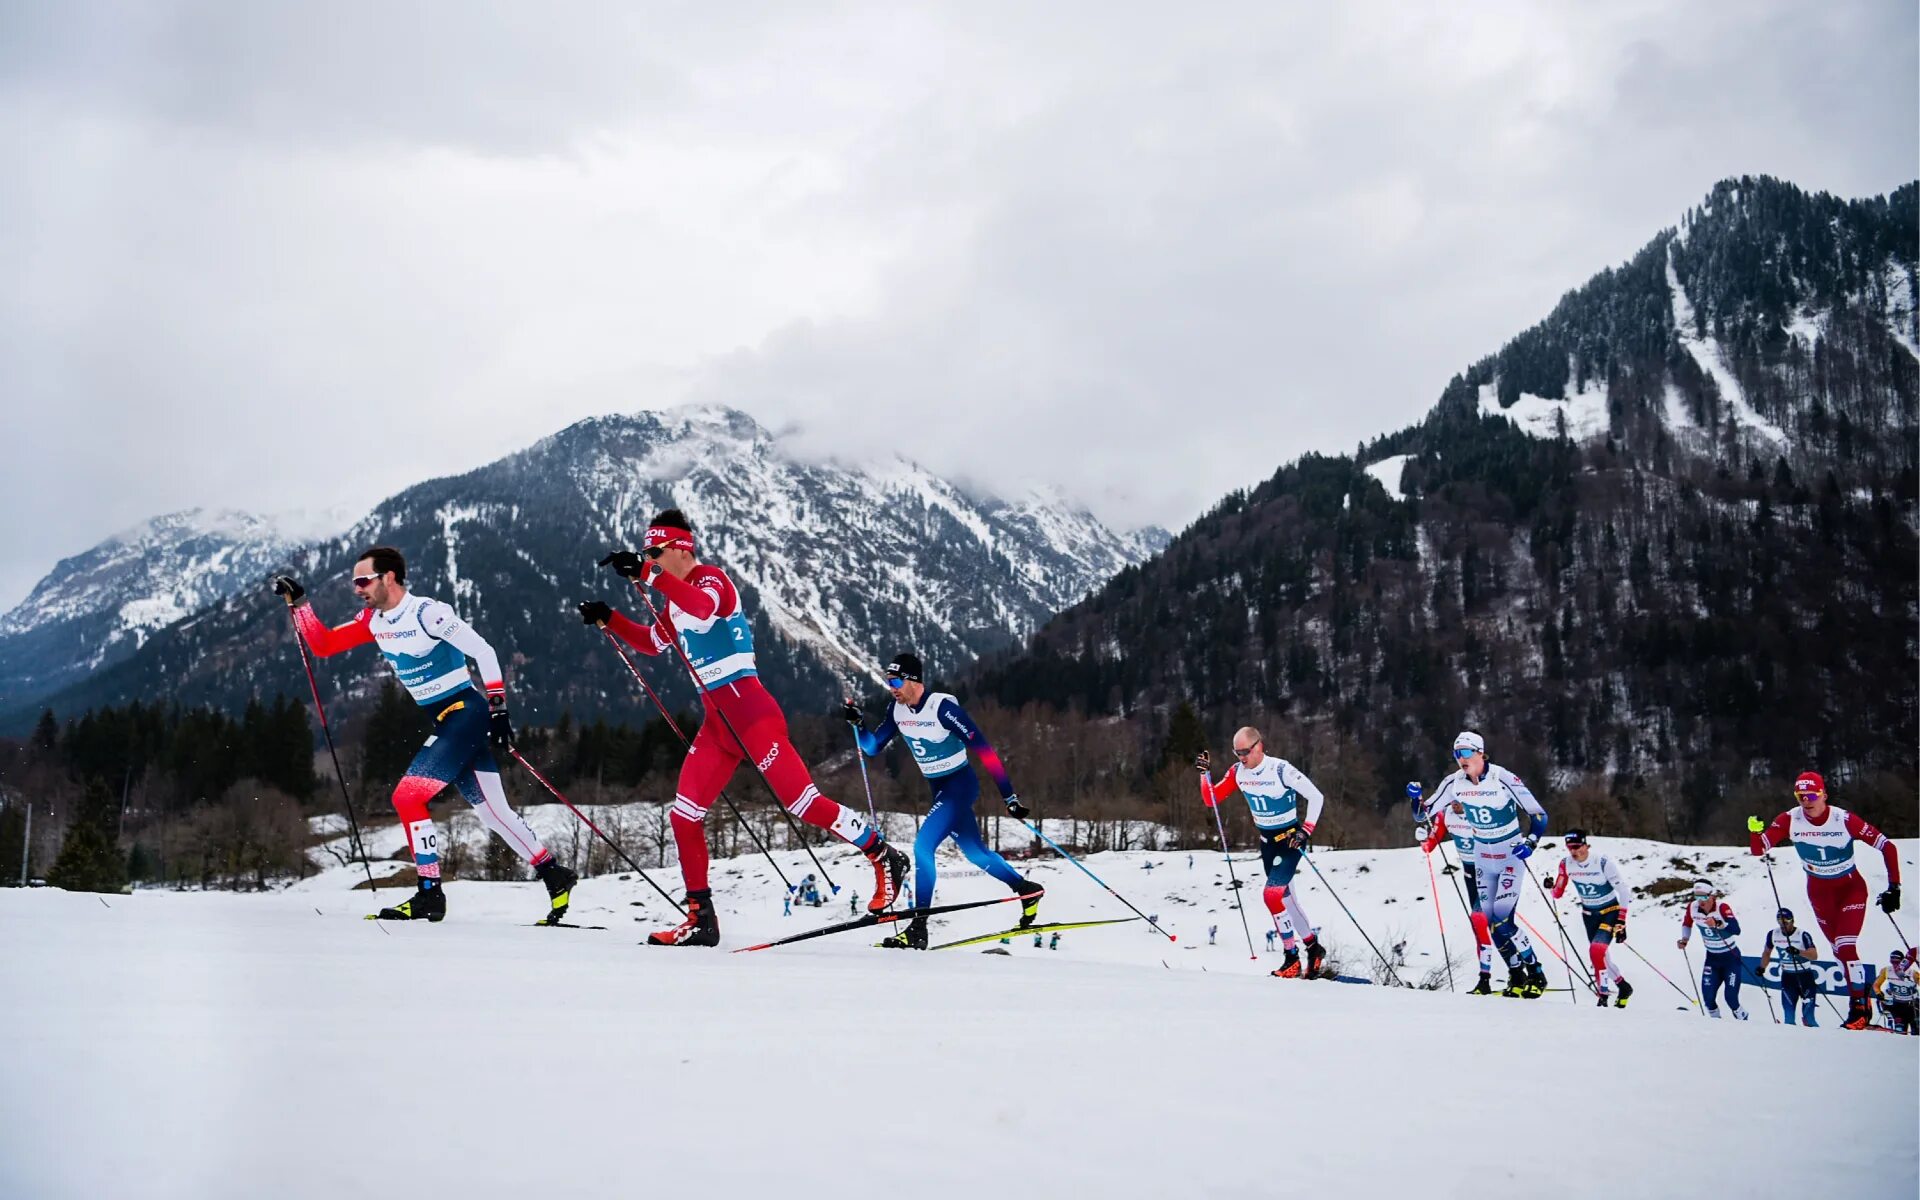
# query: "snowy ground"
200,1045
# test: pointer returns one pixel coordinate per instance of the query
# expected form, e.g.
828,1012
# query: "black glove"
288,588
500,727
1890,899
1620,932
1204,761
852,713
1449,869
595,612
1016,808
1298,837
626,563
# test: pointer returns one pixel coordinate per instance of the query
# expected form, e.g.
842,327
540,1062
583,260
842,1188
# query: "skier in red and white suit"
701,620
1823,835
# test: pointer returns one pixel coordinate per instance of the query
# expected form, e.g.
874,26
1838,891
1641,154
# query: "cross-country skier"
1823,835
1603,906
1718,927
1493,798
428,647
1053,943
1799,983
1212,932
1898,989
1451,822
1274,788
704,621
940,733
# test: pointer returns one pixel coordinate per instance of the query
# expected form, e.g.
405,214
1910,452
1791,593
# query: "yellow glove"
1755,825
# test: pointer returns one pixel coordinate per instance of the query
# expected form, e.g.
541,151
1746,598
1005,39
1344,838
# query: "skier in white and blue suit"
940,734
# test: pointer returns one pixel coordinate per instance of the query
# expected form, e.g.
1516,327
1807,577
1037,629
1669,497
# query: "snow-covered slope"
224,1045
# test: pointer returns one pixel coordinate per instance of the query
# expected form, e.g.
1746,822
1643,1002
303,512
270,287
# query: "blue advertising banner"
1828,975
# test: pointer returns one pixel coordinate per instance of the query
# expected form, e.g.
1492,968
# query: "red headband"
670,537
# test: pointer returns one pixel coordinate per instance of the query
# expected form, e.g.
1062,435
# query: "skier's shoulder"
436,617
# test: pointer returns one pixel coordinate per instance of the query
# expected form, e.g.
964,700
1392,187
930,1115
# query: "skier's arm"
713,595
1523,796
1619,885
327,640
1766,956
871,744
1879,841
1686,926
1216,792
647,639
1441,797
1439,832
439,620
1560,881
1777,834
1297,779
1729,920
955,718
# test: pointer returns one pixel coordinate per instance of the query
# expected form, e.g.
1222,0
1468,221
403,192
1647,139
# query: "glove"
288,588
1414,790
626,563
1755,825
595,612
500,727
1017,809
1890,899
1525,849
1449,869
1298,838
1620,931
851,712
1204,761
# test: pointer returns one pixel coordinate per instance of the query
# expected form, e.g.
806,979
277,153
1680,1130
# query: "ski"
871,919
1017,931
562,925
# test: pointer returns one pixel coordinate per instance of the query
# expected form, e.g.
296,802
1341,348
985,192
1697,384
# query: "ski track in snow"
244,1045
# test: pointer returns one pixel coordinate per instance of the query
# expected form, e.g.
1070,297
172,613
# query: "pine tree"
89,859
393,737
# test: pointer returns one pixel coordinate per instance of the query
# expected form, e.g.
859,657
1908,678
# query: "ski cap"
1898,958
1702,888
1575,837
905,665
1785,914
1469,740
1809,784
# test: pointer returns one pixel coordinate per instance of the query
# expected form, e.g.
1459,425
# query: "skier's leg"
710,762
933,831
966,834
1840,909
480,786
1482,932
1730,979
437,763
763,727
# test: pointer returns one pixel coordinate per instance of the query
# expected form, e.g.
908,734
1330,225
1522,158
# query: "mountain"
1663,540
840,565
98,608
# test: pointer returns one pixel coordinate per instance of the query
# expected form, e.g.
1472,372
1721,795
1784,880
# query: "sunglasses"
1462,752
1239,753
361,581
894,681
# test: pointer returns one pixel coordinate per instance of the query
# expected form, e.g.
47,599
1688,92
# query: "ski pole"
1239,899
353,822
1155,925
1900,933
1457,889
1765,992
588,822
1384,961
1635,951
700,686
1433,883
1592,985
860,756
688,742
1686,956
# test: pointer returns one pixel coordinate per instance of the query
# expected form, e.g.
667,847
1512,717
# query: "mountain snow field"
168,1044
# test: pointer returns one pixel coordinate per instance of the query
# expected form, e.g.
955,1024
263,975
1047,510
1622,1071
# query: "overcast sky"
293,257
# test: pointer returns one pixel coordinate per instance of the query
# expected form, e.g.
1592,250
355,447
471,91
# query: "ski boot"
1605,1000
1316,958
1536,984
890,867
1859,1016
1029,893
1289,966
427,904
559,881
1626,994
701,928
1484,987
1516,981
913,937
1739,1014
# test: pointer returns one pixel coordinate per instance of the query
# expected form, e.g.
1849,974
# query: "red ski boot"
701,928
